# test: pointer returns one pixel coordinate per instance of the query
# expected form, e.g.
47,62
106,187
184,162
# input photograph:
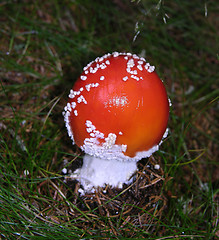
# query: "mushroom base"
99,172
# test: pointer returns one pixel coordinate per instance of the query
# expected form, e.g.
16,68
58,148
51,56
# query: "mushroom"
117,114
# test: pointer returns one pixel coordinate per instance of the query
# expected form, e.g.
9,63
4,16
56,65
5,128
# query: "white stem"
98,172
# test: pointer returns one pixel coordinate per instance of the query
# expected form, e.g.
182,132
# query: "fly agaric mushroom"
117,114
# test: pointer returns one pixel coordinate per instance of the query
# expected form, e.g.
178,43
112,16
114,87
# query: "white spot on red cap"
83,77
140,67
151,69
124,147
110,141
76,113
73,105
125,78
135,77
115,54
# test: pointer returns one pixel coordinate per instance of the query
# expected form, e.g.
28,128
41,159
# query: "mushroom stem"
97,172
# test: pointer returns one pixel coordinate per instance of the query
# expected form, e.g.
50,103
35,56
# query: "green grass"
44,46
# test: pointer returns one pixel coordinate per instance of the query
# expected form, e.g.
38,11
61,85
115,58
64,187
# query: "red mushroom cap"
118,108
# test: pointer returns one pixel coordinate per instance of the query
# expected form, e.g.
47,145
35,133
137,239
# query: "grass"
43,48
